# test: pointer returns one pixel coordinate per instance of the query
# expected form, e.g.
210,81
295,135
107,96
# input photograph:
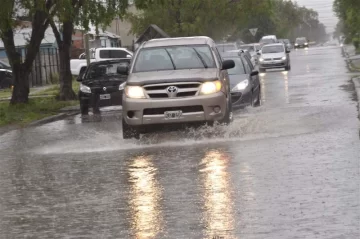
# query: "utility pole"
87,50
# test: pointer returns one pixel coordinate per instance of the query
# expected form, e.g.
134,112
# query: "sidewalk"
352,59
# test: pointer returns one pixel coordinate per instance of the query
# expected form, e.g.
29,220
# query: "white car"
78,66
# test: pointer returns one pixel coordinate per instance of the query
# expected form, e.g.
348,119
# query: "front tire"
257,103
228,118
129,131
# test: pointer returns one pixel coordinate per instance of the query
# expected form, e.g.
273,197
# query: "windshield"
301,40
272,49
105,70
267,40
174,58
226,47
239,66
4,65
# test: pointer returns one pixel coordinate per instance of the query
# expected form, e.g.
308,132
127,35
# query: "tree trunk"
20,92
66,90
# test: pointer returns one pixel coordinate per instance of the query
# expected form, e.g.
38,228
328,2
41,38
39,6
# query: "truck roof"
178,41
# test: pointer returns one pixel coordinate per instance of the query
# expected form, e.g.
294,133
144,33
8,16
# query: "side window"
218,56
246,64
248,60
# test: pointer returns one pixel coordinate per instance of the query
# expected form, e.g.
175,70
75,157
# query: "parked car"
244,81
176,81
6,77
274,56
229,46
100,54
301,42
102,85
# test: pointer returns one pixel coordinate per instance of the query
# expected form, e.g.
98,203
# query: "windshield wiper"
200,57
172,62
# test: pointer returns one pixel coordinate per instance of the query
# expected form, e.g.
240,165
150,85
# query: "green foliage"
348,13
219,18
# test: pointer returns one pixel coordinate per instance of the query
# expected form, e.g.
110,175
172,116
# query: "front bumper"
195,109
93,99
301,46
241,99
274,64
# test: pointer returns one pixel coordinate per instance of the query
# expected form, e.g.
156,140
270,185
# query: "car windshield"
4,65
239,66
105,70
226,47
267,40
300,41
272,49
174,58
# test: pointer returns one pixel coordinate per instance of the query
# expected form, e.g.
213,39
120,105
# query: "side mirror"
128,56
254,73
287,51
123,70
80,76
228,64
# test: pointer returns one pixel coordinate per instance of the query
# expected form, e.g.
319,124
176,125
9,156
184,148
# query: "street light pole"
87,50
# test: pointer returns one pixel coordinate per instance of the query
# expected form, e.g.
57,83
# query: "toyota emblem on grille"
104,88
172,91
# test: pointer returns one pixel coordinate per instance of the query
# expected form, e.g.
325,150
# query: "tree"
81,13
10,11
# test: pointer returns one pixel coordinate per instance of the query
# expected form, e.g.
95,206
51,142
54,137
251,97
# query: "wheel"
84,108
257,103
288,67
228,118
129,132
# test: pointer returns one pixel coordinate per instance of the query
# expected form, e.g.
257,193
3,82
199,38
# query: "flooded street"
288,169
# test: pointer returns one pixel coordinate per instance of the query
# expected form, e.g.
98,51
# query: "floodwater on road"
288,169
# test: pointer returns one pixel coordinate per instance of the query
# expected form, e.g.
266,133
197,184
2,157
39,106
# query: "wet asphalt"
288,169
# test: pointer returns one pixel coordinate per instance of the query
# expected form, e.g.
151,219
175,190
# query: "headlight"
135,92
305,43
296,44
85,89
210,87
241,86
283,58
261,59
122,86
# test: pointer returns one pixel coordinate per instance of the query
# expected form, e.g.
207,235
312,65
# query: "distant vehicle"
246,53
253,48
176,81
102,85
271,39
6,77
301,42
286,42
228,46
78,66
244,81
274,56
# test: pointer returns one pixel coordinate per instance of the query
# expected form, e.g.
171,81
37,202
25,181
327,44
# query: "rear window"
111,54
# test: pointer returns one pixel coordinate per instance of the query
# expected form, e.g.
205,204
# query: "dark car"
244,81
102,85
301,42
6,78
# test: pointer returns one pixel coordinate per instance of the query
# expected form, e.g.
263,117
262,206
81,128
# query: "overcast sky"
324,8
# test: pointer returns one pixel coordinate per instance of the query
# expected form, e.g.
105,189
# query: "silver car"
274,56
175,80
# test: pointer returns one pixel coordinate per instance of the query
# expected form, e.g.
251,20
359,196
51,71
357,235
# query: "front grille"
267,59
184,89
184,109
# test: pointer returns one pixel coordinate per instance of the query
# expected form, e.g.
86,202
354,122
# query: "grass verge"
37,108
55,89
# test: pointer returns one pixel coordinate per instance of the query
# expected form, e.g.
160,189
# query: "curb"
356,81
51,119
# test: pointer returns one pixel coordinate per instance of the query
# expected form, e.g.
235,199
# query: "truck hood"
188,75
273,55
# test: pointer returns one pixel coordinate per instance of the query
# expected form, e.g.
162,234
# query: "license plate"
105,97
173,114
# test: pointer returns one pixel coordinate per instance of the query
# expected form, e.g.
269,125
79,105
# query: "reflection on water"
286,86
145,197
263,87
219,214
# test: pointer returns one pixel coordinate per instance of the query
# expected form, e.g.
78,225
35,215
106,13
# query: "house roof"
92,31
153,31
22,36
